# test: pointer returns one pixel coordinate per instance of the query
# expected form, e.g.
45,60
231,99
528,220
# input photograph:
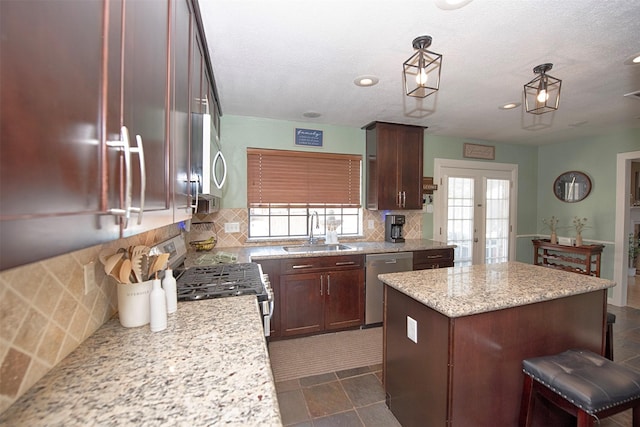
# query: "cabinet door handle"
296,267
197,183
328,284
399,199
143,177
224,169
345,263
321,285
433,256
123,144
404,199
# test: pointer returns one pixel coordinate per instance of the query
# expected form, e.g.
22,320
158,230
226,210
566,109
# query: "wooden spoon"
111,264
158,264
125,271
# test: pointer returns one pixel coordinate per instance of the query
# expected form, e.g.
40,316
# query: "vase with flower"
552,223
579,224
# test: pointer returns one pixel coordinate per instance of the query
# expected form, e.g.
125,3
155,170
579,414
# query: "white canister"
157,307
133,303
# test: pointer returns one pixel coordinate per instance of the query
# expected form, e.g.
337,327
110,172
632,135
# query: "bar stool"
608,347
581,383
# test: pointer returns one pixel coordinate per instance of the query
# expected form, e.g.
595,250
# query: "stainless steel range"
219,280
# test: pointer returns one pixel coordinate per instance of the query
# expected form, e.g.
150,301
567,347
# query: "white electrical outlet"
370,224
89,277
231,227
412,329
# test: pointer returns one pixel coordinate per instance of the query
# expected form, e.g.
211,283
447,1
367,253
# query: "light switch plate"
412,329
89,277
370,224
231,227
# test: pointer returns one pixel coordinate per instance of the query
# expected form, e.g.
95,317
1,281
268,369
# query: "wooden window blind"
300,178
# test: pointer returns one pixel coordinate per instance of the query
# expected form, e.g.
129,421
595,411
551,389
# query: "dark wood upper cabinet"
145,109
182,26
52,152
73,75
394,166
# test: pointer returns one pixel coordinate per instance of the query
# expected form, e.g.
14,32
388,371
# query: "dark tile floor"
355,397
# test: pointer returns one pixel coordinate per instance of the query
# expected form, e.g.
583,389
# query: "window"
285,187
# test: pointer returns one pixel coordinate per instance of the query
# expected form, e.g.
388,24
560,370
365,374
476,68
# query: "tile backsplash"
412,228
45,314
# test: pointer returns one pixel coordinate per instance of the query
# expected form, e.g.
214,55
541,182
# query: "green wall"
538,166
596,156
237,133
526,159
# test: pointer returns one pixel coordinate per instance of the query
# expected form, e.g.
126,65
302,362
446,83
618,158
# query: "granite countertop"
256,253
463,291
209,367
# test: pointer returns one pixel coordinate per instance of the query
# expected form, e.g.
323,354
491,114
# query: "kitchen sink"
317,248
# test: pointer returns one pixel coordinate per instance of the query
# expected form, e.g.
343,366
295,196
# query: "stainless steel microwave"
208,165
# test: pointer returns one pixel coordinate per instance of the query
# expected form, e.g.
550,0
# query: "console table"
583,259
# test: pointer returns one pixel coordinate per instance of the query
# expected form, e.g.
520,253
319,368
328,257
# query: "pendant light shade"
542,94
421,73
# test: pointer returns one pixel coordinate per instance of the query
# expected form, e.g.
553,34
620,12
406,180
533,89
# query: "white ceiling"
281,58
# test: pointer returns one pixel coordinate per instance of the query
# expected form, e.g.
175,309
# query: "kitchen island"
473,327
209,367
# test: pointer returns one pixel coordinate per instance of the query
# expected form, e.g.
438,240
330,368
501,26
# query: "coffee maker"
393,228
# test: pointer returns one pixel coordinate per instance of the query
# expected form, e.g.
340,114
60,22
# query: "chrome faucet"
313,240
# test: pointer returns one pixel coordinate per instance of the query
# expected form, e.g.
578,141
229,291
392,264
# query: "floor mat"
321,354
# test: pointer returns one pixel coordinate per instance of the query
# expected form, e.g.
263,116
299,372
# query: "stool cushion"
611,318
585,379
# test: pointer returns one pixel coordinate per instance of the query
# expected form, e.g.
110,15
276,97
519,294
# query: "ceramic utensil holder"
133,304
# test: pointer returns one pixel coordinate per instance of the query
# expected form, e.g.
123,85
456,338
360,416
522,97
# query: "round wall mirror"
572,186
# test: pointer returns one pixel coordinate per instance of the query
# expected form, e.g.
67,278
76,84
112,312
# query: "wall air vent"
634,95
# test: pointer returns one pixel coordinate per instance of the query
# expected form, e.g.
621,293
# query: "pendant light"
542,94
421,73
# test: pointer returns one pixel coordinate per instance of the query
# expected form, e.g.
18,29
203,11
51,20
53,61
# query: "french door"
476,210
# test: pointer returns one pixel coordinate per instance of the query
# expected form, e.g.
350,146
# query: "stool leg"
584,419
608,347
526,405
636,417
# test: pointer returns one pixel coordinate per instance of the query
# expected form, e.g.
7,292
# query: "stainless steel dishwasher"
379,264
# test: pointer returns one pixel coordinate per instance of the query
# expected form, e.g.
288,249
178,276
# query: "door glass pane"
497,221
460,218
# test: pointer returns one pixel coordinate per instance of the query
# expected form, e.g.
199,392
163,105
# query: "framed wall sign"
477,151
308,137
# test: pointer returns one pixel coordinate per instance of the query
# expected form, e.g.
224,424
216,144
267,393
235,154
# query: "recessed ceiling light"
509,106
365,81
633,59
311,114
451,4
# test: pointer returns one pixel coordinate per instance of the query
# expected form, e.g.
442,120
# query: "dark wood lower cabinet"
301,304
318,294
467,371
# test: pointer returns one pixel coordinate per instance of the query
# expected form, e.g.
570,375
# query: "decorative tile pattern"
44,314
412,228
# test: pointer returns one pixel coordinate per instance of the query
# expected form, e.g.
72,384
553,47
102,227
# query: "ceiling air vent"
634,95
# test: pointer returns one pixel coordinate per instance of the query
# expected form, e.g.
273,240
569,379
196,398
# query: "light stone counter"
256,253
462,291
209,367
